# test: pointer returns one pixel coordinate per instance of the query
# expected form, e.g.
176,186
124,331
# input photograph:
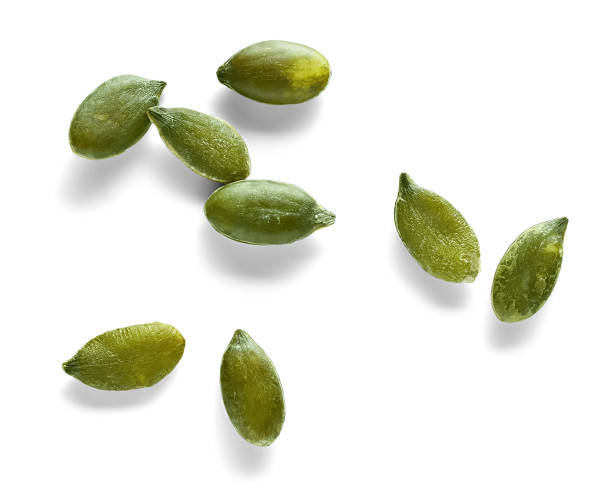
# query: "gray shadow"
251,116
177,176
244,457
90,180
84,396
256,261
441,293
509,336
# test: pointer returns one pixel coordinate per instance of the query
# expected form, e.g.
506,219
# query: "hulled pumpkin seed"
526,275
276,72
436,234
207,145
252,391
114,116
128,358
265,212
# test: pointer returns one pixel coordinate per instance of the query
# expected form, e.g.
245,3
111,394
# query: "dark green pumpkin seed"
252,391
265,212
207,145
436,234
276,72
128,358
114,116
526,275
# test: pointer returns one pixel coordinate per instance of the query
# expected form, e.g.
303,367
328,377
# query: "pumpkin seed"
526,275
128,358
207,145
252,391
265,212
114,116
276,72
436,234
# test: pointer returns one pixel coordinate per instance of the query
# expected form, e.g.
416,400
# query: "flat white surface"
397,385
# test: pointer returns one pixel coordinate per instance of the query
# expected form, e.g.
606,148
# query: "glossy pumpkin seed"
526,275
128,358
114,116
436,234
207,145
276,72
265,212
252,391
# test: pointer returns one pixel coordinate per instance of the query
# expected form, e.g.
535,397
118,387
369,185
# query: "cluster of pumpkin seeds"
115,116
445,245
118,113
142,355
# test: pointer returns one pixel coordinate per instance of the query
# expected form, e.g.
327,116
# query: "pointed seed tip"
562,224
558,224
240,335
221,72
154,112
325,217
405,181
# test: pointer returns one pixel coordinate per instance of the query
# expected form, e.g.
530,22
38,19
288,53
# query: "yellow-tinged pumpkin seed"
207,145
128,358
252,391
114,116
264,212
436,234
527,274
276,72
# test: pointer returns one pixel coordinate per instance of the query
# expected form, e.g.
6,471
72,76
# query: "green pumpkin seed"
114,116
436,234
207,145
276,72
265,212
128,358
252,391
526,275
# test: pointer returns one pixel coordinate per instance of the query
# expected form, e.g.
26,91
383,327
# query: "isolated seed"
436,234
114,116
128,358
252,391
276,72
207,145
265,212
526,275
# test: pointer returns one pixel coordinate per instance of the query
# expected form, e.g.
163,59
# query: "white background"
397,385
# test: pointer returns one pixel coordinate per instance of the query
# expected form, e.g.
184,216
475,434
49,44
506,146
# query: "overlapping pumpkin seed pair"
118,113
444,244
142,355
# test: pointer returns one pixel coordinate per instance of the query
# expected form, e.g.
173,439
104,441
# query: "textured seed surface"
526,275
252,391
436,234
276,72
207,145
265,212
128,358
114,116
